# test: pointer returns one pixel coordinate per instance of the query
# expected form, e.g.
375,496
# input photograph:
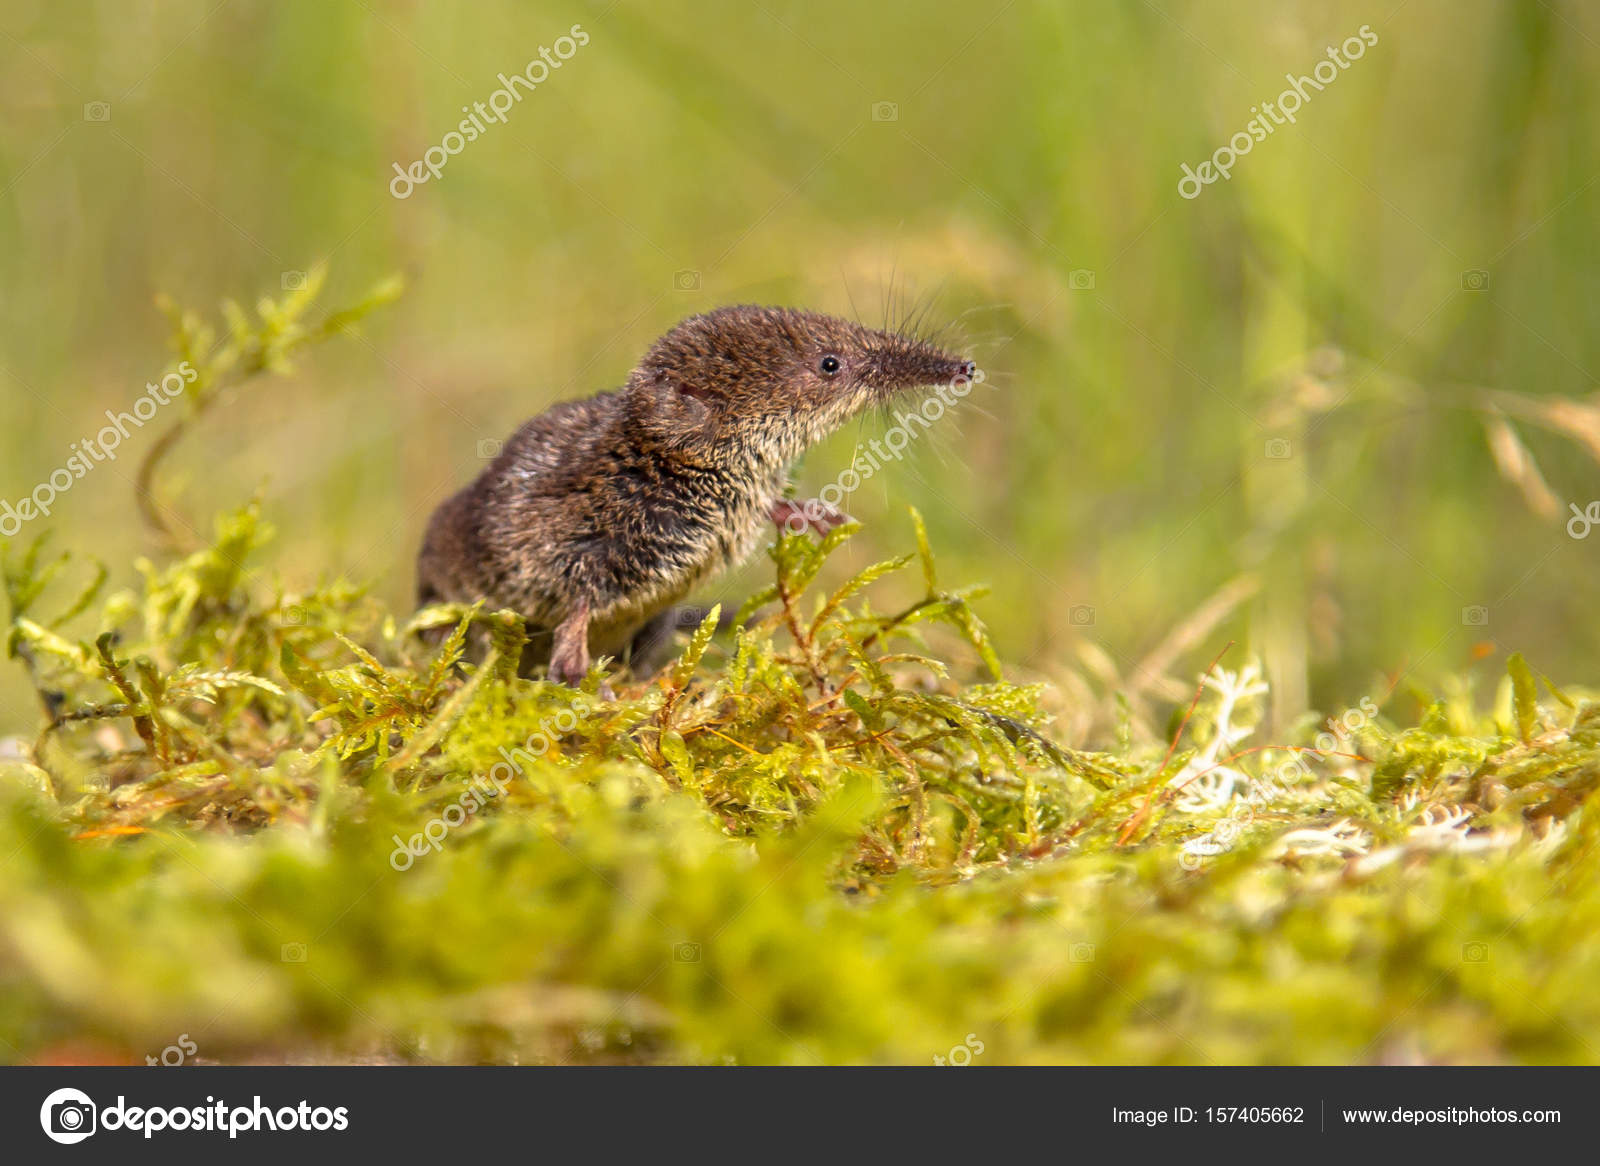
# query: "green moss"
280,823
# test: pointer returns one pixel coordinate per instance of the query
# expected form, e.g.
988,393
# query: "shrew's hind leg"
651,645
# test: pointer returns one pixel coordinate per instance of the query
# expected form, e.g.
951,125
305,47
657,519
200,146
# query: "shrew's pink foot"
569,654
813,514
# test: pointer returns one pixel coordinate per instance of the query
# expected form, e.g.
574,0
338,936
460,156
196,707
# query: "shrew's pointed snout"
950,371
908,364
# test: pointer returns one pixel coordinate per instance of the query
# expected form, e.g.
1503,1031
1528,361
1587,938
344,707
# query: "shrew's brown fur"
600,514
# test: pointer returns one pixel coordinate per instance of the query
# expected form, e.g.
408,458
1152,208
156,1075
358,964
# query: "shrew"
600,514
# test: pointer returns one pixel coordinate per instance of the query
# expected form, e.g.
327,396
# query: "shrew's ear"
693,392
672,400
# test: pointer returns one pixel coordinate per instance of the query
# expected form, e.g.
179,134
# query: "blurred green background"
1118,469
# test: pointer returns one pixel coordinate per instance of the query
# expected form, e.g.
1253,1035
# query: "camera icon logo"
1081,279
1081,953
686,953
294,953
885,111
293,280
294,616
1475,952
68,1116
97,111
489,447
1082,616
1475,617
1475,280
1279,448
686,280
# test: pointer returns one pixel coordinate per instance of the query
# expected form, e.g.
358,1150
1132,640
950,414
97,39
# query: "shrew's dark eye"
829,365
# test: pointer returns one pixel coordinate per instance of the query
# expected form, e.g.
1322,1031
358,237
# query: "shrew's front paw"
815,515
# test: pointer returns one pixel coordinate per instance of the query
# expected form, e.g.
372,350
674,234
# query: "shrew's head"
780,375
